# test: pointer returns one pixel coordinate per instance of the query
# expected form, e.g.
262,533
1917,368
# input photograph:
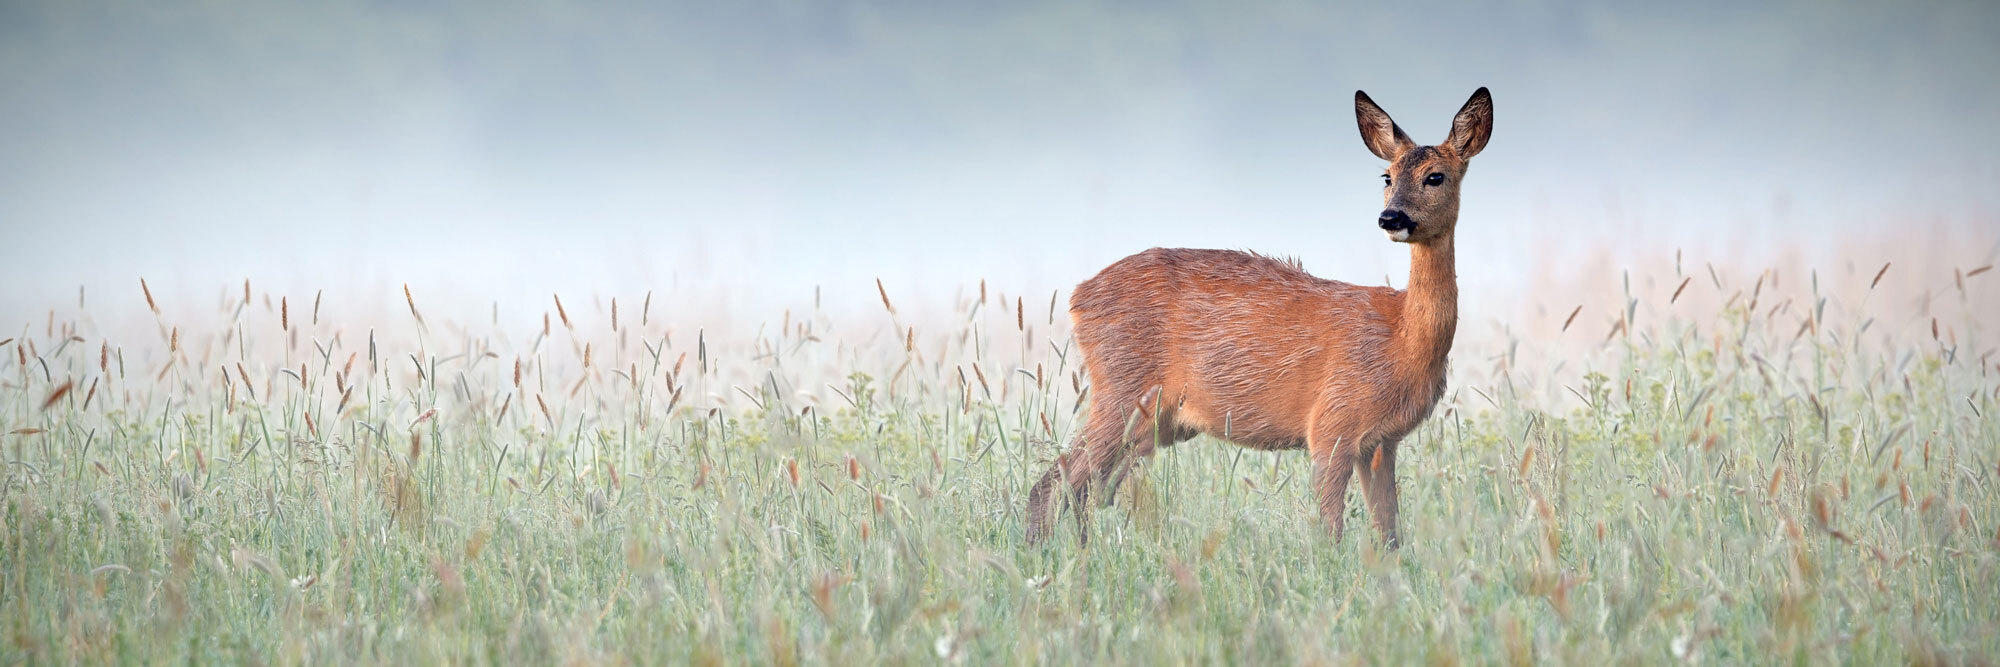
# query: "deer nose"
1394,219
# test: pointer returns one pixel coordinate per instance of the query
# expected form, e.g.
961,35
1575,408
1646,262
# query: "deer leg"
1378,484
1042,510
1138,432
1333,466
1088,462
1143,441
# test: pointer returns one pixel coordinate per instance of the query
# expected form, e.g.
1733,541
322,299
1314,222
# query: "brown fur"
1256,351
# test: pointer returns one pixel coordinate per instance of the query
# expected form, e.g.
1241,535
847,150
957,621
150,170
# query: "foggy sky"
757,149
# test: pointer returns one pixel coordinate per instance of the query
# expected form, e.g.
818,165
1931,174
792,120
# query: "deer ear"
1473,125
1378,131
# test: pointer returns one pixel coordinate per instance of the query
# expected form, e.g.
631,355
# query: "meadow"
1749,469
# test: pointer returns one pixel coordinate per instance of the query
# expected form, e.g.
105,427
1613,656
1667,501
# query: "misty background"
744,153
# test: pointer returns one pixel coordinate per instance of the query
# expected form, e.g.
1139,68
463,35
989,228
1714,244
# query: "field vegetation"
1753,470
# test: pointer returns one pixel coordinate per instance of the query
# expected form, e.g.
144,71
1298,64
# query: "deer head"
1420,187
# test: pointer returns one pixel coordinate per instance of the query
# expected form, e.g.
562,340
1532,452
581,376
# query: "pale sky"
503,150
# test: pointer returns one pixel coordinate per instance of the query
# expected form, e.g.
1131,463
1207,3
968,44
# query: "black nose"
1393,220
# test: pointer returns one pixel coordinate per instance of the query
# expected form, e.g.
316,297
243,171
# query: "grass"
1765,483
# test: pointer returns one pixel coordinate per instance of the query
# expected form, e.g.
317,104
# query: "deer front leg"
1333,466
1378,484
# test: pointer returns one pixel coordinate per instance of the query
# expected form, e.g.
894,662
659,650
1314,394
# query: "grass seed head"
879,289
57,395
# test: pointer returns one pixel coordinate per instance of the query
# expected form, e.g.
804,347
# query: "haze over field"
529,333
741,154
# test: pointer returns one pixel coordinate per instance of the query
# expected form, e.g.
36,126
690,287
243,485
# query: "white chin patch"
1399,235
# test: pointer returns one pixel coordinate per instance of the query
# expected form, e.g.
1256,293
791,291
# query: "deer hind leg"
1333,466
1091,462
1042,508
1378,484
1148,434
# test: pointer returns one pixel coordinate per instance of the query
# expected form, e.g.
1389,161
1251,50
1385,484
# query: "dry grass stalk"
879,289
562,313
57,395
150,305
412,301
246,380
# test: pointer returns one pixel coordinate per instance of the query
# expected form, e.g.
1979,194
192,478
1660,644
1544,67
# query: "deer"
1252,350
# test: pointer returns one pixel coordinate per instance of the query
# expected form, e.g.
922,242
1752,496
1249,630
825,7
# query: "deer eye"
1434,179
1385,180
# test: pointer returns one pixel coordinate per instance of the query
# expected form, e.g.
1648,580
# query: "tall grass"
1776,479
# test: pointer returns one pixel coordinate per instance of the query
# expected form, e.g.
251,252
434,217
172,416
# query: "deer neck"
1430,308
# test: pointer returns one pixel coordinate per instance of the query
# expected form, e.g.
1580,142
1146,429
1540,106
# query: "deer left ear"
1473,125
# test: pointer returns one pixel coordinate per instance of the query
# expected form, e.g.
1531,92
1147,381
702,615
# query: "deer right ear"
1378,131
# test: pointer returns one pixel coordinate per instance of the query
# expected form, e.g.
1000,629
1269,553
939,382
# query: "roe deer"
1256,351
